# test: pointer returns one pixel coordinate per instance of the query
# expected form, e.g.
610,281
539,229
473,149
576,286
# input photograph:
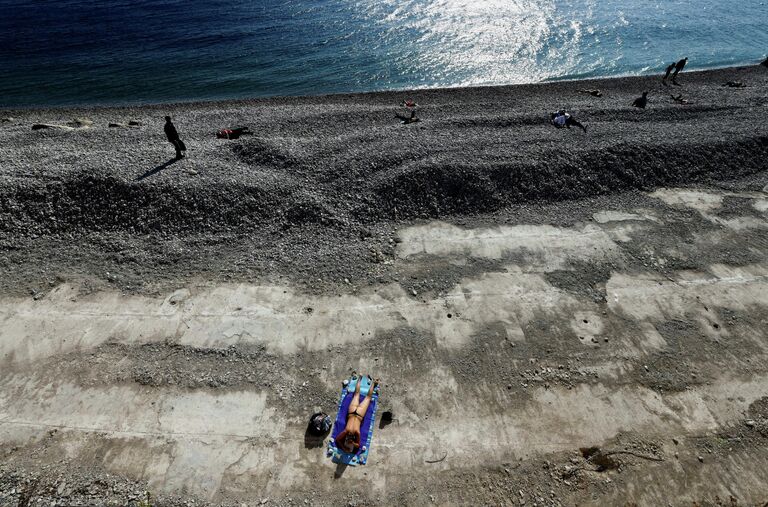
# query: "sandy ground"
558,318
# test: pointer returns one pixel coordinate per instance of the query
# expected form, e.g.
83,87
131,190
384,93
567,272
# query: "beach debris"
679,98
594,93
436,460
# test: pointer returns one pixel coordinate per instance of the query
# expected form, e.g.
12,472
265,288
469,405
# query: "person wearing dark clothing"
173,138
407,119
562,119
765,62
678,68
669,71
641,102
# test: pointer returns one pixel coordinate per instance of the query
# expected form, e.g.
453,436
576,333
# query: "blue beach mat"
340,456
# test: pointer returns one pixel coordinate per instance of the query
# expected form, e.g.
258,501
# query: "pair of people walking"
675,69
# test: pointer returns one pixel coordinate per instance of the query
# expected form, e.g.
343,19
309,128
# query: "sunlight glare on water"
78,51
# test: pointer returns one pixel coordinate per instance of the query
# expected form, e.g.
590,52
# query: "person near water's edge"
669,71
173,138
678,68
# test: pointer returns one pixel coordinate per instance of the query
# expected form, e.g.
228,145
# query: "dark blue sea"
64,52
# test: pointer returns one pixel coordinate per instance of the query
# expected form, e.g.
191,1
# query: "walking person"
678,68
173,138
669,71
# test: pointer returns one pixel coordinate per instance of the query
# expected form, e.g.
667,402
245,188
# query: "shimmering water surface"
58,52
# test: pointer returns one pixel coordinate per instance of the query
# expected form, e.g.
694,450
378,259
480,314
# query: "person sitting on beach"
669,71
641,102
349,439
173,138
678,68
410,104
407,119
594,93
562,119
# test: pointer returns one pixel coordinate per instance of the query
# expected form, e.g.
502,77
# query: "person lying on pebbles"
562,119
132,123
594,93
735,84
77,123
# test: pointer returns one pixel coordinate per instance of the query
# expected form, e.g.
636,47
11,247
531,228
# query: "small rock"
675,441
750,423
701,459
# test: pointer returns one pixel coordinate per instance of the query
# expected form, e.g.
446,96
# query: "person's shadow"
158,169
340,469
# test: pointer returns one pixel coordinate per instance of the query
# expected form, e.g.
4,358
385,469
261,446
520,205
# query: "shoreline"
6,110
534,299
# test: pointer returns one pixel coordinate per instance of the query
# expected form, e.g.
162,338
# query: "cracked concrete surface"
506,366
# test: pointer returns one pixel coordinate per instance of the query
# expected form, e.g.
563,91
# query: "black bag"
319,424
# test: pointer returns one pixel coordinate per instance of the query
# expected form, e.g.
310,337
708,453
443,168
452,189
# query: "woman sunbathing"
349,439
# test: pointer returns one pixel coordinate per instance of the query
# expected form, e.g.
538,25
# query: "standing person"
669,71
173,138
678,68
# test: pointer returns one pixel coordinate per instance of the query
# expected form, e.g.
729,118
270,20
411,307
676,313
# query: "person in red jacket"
349,439
173,138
